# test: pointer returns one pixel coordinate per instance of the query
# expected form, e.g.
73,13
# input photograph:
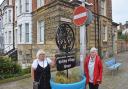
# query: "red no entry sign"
80,15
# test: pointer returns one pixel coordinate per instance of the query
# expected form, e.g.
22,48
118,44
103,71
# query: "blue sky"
120,10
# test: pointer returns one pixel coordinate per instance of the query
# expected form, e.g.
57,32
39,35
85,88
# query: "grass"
15,78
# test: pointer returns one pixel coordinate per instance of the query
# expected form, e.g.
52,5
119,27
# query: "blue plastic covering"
76,85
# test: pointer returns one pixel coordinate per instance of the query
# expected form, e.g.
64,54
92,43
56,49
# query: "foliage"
123,37
119,34
126,38
26,70
61,77
9,68
66,0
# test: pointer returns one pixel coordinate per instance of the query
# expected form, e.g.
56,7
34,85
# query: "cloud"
1,1
120,10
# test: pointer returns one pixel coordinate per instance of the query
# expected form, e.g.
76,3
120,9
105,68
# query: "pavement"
117,81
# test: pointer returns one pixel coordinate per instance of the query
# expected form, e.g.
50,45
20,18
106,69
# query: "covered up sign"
65,61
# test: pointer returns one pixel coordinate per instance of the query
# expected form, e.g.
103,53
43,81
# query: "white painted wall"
8,26
1,35
23,7
10,2
22,18
22,21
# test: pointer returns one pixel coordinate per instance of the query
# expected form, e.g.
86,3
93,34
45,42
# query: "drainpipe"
13,7
95,20
98,27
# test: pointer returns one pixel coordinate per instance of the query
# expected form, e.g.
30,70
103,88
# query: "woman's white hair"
39,52
93,49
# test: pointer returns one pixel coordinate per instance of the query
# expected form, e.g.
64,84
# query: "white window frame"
5,17
20,33
20,6
16,13
103,7
16,35
9,16
9,37
26,5
27,33
40,32
5,38
10,2
40,3
105,33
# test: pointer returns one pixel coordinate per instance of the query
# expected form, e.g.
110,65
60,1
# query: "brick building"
46,19
1,36
7,18
115,37
23,31
48,14
36,23
100,31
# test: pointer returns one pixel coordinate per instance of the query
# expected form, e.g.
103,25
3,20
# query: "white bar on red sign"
80,15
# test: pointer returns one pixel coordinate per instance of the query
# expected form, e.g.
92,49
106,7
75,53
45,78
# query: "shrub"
66,0
26,70
8,68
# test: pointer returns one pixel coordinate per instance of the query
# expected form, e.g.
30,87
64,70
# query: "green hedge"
9,68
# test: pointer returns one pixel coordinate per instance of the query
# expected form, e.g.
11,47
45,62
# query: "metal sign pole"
82,47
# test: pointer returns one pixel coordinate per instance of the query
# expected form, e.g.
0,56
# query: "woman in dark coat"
40,70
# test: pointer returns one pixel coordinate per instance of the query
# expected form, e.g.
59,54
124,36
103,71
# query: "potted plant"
74,81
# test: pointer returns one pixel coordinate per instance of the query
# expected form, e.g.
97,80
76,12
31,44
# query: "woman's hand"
99,81
53,61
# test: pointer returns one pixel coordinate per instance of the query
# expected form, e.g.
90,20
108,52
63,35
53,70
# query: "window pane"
9,15
9,37
6,37
27,32
41,31
20,28
40,3
20,7
5,17
27,5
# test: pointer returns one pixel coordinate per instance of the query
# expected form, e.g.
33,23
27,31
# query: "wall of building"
104,19
1,37
122,46
51,15
23,16
7,14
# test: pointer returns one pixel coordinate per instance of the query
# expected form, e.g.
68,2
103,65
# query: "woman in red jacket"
93,69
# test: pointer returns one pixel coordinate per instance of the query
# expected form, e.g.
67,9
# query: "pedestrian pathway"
21,84
118,81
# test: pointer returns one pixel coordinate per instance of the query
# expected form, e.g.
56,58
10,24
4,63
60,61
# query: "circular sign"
65,37
80,15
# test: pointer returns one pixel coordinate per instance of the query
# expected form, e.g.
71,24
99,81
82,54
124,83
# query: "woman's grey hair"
93,49
39,52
